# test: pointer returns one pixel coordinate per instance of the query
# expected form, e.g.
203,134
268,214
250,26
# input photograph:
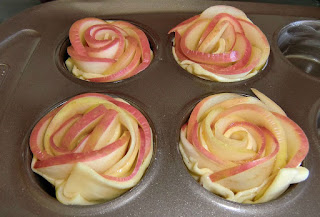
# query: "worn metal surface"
35,80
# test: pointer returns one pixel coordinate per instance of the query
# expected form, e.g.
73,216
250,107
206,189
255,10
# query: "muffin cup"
300,44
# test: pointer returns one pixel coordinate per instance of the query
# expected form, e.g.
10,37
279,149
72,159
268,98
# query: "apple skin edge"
104,136
222,125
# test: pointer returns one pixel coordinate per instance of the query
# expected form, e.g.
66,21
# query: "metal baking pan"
33,80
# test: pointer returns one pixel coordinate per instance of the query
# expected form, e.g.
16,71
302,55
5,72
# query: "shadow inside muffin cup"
318,124
44,185
300,44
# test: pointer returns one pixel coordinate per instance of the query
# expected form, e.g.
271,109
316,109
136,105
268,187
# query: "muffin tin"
34,80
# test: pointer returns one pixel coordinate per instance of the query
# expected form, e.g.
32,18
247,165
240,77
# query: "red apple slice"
254,172
210,45
261,117
203,106
108,51
81,145
221,18
117,149
223,150
177,47
106,44
142,39
90,64
218,101
128,108
209,42
37,136
257,39
76,105
230,149
255,141
125,59
197,144
60,166
241,122
181,27
105,48
101,35
134,67
243,47
95,36
194,33
272,106
130,70
83,126
77,31
111,186
298,145
145,127
123,168
234,73
141,159
229,36
117,161
56,138
126,165
232,20
202,159
103,133
89,99
189,42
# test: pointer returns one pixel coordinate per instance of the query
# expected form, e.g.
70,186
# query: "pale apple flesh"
189,45
103,51
243,149
247,55
222,18
82,127
104,136
98,36
213,11
56,138
217,45
235,70
125,66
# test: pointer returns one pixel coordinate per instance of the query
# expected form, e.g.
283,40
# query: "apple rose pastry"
244,149
92,149
220,44
106,51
